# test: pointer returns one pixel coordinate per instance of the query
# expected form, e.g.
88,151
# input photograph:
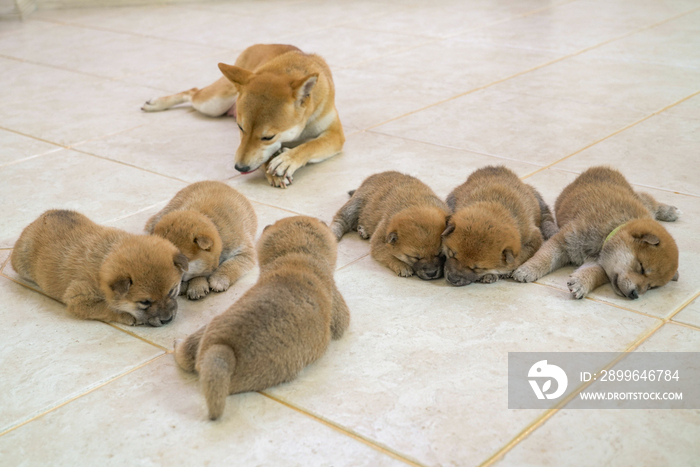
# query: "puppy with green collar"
612,233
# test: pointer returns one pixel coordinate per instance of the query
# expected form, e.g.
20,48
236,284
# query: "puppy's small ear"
181,262
651,239
267,227
236,75
302,87
508,256
204,242
121,286
449,228
675,277
392,238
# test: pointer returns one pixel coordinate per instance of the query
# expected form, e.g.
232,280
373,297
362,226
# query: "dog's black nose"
242,168
166,321
433,274
633,294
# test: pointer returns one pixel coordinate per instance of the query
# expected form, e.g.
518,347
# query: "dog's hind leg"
214,100
167,102
551,256
660,211
186,350
340,315
346,218
232,269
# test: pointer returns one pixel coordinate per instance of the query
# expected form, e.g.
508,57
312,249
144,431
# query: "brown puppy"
101,272
610,231
284,103
283,323
214,226
498,224
402,217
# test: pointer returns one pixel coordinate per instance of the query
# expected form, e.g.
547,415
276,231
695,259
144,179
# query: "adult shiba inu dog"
610,231
282,324
498,223
402,217
284,103
100,272
214,226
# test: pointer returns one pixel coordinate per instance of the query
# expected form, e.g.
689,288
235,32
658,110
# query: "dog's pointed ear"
651,239
449,227
204,242
508,256
236,75
302,87
121,286
392,237
675,277
181,262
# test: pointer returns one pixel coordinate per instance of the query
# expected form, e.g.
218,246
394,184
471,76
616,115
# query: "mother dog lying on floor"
284,103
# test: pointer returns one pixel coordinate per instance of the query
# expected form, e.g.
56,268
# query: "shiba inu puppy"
100,272
214,226
402,217
282,324
284,103
608,230
498,223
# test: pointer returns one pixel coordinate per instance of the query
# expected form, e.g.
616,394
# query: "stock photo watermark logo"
552,372
604,380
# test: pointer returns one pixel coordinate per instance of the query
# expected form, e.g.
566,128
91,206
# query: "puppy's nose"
432,274
166,321
242,168
633,294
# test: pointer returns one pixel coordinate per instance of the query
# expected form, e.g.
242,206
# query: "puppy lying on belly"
283,323
100,272
498,223
609,231
214,226
402,217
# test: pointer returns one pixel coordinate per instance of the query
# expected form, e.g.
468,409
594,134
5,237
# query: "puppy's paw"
126,318
402,270
219,283
362,232
197,290
488,278
577,288
668,213
279,182
525,274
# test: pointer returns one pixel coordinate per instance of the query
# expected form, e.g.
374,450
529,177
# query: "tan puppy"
214,226
402,217
610,231
284,102
100,272
498,224
283,323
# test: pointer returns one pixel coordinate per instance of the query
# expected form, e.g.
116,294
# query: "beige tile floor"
435,89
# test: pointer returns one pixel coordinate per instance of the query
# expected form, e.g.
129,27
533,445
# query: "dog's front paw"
668,213
488,278
525,274
362,232
126,318
402,270
279,182
219,283
577,288
197,288
283,165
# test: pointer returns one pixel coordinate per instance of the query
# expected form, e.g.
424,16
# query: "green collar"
611,234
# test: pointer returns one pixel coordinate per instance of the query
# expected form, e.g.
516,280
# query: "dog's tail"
351,192
346,218
186,350
215,370
547,226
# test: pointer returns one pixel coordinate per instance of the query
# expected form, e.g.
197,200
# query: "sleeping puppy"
214,226
498,223
283,323
609,231
100,272
402,217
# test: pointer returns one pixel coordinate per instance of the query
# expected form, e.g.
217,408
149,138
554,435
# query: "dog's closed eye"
267,138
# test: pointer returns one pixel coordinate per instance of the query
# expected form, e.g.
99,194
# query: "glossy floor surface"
433,89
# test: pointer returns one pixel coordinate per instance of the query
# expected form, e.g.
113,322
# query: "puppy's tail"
186,350
346,218
215,370
547,225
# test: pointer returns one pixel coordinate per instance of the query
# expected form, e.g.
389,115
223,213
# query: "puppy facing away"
100,272
284,103
282,324
498,223
610,231
214,226
402,217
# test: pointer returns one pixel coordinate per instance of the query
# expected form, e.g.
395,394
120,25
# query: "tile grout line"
367,441
685,325
132,334
549,413
129,165
537,67
614,134
681,307
61,404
